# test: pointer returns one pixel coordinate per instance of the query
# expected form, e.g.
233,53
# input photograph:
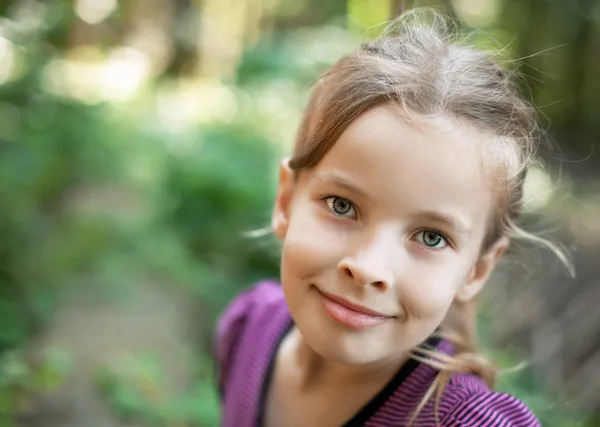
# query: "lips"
350,314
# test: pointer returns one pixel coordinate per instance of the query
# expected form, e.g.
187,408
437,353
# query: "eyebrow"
341,181
448,219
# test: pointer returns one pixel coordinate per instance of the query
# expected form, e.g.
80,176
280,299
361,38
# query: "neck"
315,371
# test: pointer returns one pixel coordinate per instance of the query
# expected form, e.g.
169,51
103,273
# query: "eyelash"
425,230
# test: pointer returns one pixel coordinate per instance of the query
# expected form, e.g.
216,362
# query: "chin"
338,346
349,356
344,353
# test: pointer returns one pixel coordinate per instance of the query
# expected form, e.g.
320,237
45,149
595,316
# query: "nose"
371,265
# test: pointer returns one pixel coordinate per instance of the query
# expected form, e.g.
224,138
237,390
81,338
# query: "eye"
431,239
341,206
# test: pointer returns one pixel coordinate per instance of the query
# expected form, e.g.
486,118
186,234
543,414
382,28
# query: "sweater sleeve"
490,409
230,327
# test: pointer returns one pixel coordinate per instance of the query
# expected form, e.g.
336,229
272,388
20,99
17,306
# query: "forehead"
425,164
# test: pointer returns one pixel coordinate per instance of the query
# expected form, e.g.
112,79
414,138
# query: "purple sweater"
251,329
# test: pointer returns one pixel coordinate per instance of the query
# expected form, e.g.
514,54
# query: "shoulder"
470,402
252,302
248,311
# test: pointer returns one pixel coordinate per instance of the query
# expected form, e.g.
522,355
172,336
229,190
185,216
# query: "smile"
350,314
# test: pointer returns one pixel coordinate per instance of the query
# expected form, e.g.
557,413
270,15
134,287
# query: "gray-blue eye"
341,206
432,239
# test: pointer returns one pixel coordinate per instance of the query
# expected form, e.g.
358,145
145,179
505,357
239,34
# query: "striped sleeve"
490,409
230,326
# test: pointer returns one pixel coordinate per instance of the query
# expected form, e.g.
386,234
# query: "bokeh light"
95,11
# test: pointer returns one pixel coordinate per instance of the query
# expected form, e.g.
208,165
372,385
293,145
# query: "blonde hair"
422,65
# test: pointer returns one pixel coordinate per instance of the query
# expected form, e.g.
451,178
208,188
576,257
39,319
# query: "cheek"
312,242
430,290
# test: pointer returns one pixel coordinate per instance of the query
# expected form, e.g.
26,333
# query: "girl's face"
383,235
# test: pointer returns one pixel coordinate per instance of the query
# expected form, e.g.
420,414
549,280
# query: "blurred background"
139,140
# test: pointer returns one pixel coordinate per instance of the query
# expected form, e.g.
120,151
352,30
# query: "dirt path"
99,332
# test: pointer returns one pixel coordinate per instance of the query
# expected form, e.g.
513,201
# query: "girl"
399,199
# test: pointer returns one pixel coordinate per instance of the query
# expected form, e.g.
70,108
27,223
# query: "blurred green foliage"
95,198
22,379
135,389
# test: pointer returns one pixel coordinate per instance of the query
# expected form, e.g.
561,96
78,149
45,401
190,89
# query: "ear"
285,189
482,270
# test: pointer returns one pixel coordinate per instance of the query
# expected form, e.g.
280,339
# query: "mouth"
351,314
